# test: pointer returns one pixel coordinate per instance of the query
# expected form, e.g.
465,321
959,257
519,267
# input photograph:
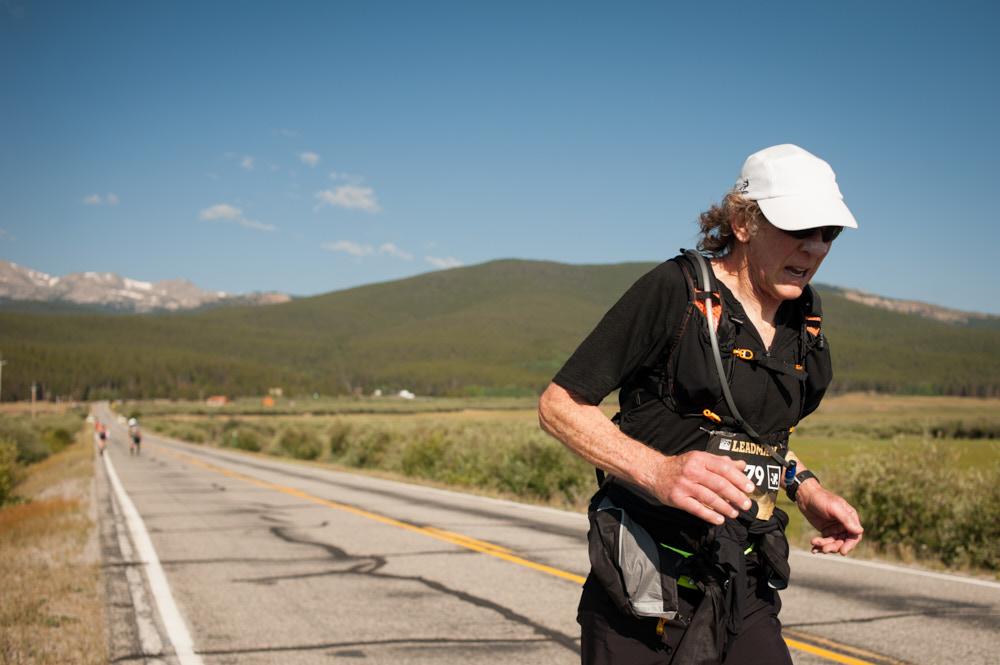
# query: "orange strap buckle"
714,417
743,354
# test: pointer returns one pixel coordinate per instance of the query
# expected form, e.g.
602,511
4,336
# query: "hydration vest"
685,375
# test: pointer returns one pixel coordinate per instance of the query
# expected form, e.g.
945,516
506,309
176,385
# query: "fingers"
730,483
837,539
702,511
841,544
709,487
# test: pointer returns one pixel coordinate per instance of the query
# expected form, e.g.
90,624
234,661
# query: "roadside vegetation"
51,598
501,452
923,473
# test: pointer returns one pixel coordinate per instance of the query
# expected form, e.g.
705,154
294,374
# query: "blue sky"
308,147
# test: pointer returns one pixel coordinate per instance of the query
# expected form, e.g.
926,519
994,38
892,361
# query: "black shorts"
610,637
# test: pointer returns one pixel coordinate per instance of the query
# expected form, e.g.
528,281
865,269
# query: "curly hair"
717,239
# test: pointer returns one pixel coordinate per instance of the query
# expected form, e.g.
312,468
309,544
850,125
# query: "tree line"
498,328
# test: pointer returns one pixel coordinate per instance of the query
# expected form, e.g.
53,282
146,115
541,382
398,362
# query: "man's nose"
816,247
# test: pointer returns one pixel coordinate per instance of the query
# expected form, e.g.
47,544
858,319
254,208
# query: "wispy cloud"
352,248
349,196
221,211
352,195
227,213
360,251
288,133
443,262
395,252
97,200
260,226
310,158
247,163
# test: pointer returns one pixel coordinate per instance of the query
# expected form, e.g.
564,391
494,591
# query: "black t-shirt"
663,394
655,348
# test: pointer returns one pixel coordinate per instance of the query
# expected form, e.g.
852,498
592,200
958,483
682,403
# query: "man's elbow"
550,405
547,407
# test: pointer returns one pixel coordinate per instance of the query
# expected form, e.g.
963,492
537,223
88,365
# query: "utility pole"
2,363
34,387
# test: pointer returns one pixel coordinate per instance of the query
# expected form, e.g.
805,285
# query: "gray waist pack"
639,575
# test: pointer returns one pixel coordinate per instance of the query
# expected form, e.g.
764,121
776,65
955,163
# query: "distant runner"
100,435
134,435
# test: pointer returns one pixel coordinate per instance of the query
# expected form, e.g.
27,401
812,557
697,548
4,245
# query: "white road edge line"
149,636
177,631
958,579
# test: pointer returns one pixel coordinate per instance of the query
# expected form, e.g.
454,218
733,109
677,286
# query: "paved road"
271,562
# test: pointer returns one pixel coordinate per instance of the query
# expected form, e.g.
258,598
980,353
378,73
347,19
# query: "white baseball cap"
795,189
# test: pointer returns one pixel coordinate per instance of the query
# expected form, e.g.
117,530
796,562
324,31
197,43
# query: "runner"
687,548
135,436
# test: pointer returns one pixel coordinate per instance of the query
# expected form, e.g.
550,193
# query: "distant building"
217,400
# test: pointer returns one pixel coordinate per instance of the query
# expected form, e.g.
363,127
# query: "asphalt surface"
268,561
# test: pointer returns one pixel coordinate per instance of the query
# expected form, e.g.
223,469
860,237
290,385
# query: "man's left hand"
836,520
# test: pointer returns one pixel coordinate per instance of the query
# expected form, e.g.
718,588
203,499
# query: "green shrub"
977,511
513,457
916,500
33,450
300,443
9,469
370,449
423,456
30,447
244,438
57,438
192,432
340,435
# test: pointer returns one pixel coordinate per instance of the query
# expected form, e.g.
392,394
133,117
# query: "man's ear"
740,227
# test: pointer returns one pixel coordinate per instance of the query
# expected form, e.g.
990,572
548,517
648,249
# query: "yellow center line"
465,539
830,655
440,534
497,551
863,657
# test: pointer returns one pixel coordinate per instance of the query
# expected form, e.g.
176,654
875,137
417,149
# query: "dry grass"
51,598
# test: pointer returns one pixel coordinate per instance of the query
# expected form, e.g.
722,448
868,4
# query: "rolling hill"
502,327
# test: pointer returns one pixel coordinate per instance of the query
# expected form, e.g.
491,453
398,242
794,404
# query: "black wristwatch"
793,485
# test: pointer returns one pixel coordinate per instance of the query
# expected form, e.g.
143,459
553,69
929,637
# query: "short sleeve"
632,334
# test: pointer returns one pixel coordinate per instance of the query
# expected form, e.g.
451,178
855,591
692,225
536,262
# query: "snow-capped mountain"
111,291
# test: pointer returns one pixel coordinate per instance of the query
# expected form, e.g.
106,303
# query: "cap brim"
795,213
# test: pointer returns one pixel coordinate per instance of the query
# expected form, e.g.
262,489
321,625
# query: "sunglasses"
829,233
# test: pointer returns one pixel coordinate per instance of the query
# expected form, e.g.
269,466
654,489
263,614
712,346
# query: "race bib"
762,469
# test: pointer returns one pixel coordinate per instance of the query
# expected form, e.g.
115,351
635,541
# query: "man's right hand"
710,487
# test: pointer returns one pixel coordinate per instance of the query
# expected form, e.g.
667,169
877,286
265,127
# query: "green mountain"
503,327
